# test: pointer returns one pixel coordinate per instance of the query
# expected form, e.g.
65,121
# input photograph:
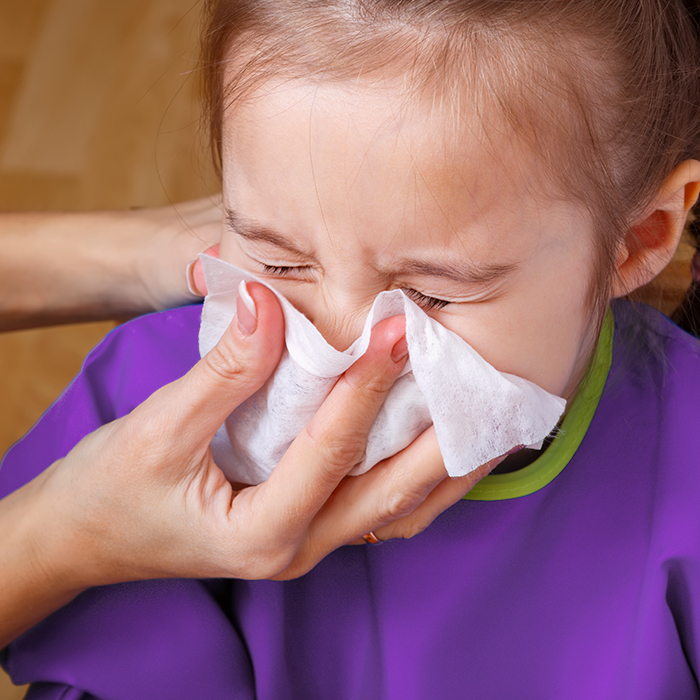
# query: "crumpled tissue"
478,412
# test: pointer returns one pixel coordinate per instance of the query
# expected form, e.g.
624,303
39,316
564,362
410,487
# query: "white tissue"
479,413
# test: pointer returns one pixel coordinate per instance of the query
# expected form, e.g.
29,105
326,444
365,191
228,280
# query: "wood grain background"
96,111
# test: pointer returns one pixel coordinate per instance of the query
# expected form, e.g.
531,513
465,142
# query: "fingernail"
189,272
517,448
246,314
400,350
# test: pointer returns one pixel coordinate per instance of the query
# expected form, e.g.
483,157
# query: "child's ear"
653,239
195,275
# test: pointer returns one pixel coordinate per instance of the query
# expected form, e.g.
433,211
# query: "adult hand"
178,233
142,497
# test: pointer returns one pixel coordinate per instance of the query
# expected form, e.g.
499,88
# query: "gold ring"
371,538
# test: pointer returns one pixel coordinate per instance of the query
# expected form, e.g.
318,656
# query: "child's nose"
341,332
341,325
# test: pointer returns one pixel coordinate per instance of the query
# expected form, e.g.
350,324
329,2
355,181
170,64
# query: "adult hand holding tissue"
478,412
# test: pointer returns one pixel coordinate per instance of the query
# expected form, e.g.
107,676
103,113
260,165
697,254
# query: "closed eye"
281,270
426,302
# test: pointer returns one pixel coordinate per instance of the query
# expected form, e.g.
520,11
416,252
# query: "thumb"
231,372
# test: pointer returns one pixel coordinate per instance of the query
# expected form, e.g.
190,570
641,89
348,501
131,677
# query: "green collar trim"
500,487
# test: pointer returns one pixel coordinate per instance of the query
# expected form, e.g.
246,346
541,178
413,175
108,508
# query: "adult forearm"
87,266
31,588
65,267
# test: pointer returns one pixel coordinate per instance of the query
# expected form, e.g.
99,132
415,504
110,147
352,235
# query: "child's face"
335,193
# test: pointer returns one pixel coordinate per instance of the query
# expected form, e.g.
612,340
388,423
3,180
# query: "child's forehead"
366,119
514,89
518,81
360,155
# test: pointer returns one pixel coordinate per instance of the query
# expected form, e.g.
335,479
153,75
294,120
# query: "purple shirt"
586,587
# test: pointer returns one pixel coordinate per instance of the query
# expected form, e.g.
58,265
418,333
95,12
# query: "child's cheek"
538,352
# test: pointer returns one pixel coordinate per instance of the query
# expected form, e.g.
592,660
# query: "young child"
512,166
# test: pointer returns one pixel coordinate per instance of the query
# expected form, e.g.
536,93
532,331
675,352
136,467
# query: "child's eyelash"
429,303
280,269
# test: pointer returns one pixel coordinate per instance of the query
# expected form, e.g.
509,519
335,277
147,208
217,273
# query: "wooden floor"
96,111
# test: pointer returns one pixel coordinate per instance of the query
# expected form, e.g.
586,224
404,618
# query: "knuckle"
409,527
369,389
338,452
412,528
225,363
402,503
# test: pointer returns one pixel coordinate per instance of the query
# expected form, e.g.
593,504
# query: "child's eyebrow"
256,232
459,272
462,272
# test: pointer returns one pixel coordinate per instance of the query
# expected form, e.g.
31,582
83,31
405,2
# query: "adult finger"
398,498
390,491
197,404
448,492
334,440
